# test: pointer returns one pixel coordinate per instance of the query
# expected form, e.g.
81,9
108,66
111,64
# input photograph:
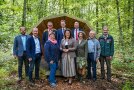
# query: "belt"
38,53
91,53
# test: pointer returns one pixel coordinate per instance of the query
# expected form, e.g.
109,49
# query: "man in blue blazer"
19,51
60,31
34,53
76,30
50,29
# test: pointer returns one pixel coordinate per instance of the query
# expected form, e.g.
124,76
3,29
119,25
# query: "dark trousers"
75,61
34,63
53,68
22,59
103,59
91,65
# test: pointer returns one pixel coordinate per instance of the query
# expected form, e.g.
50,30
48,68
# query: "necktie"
76,35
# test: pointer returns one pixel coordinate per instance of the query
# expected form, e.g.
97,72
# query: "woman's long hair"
69,32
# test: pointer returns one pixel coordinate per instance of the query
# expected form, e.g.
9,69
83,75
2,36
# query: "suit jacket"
31,47
82,49
45,36
60,35
51,51
18,45
73,31
71,45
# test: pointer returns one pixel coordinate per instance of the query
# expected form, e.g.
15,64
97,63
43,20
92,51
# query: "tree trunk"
24,14
40,9
97,11
119,24
129,7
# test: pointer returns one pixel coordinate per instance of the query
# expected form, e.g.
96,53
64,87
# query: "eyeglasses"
49,25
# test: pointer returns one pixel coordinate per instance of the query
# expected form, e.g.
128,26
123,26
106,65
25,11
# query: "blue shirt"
37,45
91,46
23,37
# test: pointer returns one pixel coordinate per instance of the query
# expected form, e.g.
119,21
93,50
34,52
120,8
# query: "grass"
8,66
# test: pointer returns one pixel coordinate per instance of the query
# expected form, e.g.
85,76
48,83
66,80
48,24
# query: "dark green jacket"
107,45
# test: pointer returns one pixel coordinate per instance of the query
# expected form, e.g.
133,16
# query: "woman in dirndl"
81,53
68,48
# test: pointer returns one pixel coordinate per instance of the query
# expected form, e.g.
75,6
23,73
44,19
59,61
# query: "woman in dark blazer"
52,56
81,53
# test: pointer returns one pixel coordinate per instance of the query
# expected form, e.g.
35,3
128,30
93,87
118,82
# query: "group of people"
65,48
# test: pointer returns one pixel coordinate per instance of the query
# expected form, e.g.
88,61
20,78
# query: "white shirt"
63,29
37,45
75,33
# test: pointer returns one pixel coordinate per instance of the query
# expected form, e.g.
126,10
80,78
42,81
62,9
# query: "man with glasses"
47,31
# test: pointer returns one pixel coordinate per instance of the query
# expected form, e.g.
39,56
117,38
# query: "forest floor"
99,84
120,79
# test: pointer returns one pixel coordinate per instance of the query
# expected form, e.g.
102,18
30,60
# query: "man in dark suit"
76,30
19,51
60,31
34,54
50,29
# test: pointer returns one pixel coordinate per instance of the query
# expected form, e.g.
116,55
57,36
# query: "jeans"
52,72
35,62
22,59
91,64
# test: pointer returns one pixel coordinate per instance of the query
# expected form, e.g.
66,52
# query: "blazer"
60,36
31,47
82,49
18,45
73,31
45,36
51,51
107,45
71,46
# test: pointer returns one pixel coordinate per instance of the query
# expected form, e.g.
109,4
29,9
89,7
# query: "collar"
77,28
23,35
35,37
64,28
105,36
91,38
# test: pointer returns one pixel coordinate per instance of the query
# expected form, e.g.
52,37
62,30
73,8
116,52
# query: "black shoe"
19,80
37,78
31,82
102,78
89,78
109,80
94,79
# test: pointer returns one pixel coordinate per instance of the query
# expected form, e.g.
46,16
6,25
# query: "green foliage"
8,67
128,86
11,19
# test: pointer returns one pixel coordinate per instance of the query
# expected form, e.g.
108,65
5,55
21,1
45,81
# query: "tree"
119,23
24,13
